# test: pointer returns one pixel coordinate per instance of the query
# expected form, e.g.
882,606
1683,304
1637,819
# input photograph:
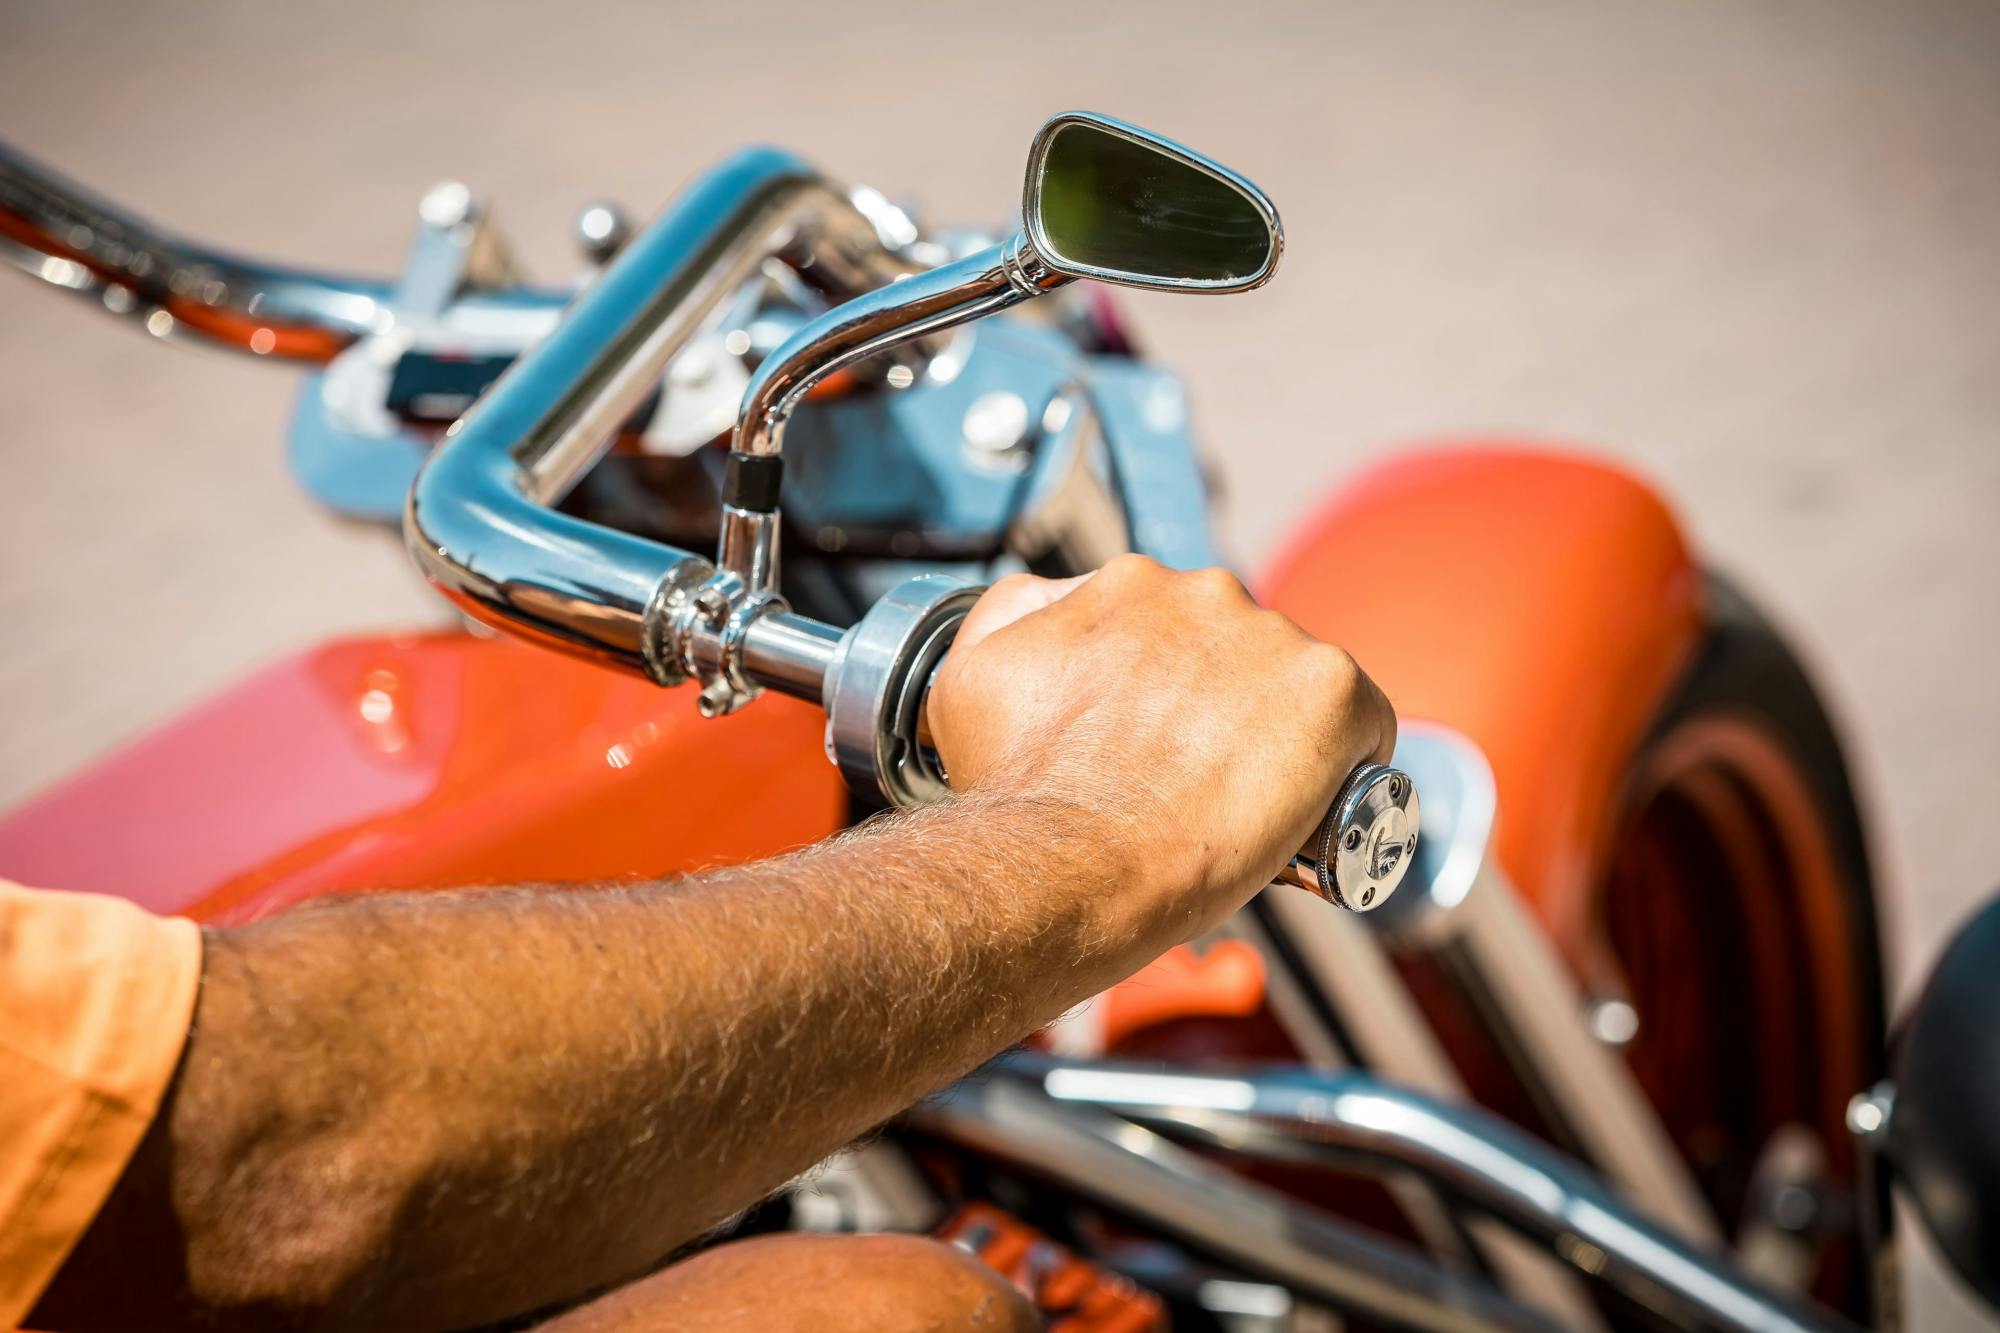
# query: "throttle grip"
874,695
1365,843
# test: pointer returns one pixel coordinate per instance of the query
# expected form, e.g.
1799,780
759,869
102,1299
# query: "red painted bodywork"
426,761
1541,603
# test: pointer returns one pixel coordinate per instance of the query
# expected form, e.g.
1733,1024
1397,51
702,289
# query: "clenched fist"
1196,737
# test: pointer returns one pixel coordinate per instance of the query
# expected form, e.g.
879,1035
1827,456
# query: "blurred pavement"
1751,249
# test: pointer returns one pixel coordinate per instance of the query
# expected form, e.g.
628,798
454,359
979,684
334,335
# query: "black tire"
1746,676
1745,666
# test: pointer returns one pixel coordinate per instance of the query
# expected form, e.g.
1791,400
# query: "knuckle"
1129,566
1008,585
1337,671
1217,581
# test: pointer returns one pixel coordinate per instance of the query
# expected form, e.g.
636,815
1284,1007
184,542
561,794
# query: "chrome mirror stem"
906,310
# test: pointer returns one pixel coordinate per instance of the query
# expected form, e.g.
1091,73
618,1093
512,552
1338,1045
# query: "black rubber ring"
750,481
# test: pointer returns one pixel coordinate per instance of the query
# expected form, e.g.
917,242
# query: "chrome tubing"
56,230
1343,1119
1135,1172
478,519
978,285
917,307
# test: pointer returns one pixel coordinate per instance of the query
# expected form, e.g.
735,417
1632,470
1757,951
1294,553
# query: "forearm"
445,1108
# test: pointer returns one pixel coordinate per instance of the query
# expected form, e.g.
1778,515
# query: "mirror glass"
1107,205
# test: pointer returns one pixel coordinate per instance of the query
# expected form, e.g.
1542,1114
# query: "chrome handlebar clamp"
1363,847
875,689
710,631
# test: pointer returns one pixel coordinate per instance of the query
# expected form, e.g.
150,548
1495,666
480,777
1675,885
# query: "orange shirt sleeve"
96,995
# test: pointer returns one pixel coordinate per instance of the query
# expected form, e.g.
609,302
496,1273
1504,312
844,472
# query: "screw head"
715,699
711,604
1352,840
601,229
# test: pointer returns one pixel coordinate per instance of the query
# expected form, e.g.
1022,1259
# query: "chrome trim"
1365,843
1345,961
1134,1171
880,678
927,303
1345,1119
790,653
1869,1115
748,544
147,266
916,307
1459,908
478,521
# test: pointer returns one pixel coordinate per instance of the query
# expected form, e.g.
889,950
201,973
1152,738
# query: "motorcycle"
1594,1036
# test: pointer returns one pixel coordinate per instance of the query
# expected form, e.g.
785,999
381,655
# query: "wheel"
1737,917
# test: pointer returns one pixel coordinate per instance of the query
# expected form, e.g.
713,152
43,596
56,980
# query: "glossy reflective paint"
426,761
1540,603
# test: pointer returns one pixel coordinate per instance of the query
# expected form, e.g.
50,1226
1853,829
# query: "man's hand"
1200,735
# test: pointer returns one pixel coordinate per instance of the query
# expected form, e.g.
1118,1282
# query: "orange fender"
1541,603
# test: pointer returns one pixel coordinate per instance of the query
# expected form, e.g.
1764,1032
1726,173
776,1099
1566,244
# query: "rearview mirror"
1103,200
1110,201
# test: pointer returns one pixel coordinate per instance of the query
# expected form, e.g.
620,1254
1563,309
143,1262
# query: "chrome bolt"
1868,1112
1395,788
446,204
1613,1022
1368,895
712,605
602,230
1352,841
716,698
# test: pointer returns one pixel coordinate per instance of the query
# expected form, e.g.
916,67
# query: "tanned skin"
442,1109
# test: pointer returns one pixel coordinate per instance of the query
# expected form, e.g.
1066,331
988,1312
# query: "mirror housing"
1107,200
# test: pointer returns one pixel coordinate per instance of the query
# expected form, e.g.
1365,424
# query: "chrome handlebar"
480,520
55,230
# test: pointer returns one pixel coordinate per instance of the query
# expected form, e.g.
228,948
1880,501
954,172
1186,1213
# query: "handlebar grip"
1365,843
875,691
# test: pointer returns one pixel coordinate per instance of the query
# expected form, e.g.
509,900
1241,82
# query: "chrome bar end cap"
1366,843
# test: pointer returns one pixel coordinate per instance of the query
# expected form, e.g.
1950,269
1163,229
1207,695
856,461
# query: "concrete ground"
1751,249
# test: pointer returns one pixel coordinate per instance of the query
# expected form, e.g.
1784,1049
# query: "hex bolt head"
712,605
